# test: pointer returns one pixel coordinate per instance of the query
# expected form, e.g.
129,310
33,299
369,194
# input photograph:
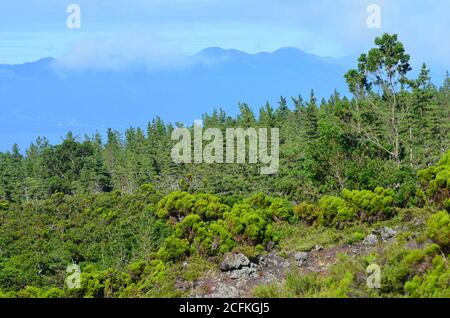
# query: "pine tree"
422,117
441,129
246,117
267,117
311,119
282,113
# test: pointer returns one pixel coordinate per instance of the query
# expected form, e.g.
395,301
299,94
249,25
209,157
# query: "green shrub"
212,228
438,229
402,264
173,249
447,204
435,283
136,269
259,200
250,225
179,204
356,237
115,282
306,212
209,238
362,206
189,226
29,292
334,211
155,271
175,204
370,205
53,293
213,238
280,209
156,279
436,180
92,285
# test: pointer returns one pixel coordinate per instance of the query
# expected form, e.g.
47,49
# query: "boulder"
244,273
225,291
262,260
233,262
386,233
371,240
301,258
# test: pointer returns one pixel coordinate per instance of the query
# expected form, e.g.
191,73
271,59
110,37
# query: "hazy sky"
32,29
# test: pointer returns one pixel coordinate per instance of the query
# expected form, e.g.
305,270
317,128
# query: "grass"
196,268
302,238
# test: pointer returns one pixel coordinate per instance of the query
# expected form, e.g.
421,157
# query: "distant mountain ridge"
41,99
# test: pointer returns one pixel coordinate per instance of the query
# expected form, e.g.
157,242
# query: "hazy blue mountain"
41,99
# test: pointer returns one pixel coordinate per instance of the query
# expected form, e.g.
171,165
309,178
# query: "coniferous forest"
362,180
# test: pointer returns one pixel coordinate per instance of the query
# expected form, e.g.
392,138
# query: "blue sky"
161,33
32,29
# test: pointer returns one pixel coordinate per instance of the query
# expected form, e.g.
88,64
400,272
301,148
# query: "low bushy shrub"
211,227
306,212
250,225
335,211
354,206
376,205
434,284
438,229
436,180
401,264
179,204
280,209
173,249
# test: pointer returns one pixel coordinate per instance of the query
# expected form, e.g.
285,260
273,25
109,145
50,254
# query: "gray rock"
371,240
269,277
261,260
301,258
317,248
241,284
234,261
285,264
225,291
243,273
386,233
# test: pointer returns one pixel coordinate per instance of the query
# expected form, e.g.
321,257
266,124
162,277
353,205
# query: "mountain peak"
295,53
40,62
45,60
46,100
216,51
290,49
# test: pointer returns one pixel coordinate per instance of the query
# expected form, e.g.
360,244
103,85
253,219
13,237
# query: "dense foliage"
130,217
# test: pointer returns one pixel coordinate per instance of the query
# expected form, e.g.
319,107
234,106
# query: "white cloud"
325,27
120,52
